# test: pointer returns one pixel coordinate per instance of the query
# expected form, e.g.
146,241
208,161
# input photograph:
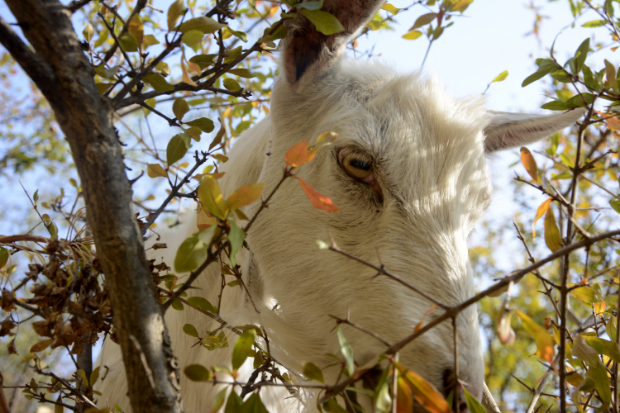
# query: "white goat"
409,173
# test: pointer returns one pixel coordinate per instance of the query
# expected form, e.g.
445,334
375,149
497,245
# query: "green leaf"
461,5
234,403
158,83
560,76
175,11
203,60
381,399
150,40
539,74
202,303
196,372
615,204
191,254
218,400
242,348
232,85
190,330
580,55
176,149
180,108
598,373
205,124
235,236
312,372
4,256
346,350
193,39
594,23
412,35
609,348
203,23
82,375
253,405
128,43
324,22
423,20
155,170
242,73
177,305
473,404
88,32
94,376
501,76
310,5
583,351
555,105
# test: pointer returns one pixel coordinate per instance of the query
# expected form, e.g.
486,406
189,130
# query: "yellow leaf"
136,29
500,77
529,163
318,201
186,77
424,392
41,345
505,333
553,239
544,342
412,35
155,170
540,212
244,195
298,155
211,197
324,139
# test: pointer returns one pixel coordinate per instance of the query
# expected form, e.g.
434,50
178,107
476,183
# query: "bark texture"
60,69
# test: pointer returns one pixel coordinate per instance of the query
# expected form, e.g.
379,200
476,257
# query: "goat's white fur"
428,152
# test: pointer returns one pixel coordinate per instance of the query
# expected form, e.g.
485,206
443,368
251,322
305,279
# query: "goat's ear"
305,47
508,130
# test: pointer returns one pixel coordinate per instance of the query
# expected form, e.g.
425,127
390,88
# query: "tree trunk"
62,72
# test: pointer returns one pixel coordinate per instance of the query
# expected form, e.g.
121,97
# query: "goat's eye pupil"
359,164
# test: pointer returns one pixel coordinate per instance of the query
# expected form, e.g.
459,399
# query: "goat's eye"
356,165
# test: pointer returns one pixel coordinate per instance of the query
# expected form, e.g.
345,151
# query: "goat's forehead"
398,116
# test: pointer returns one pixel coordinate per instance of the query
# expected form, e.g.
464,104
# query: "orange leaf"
244,195
544,342
204,220
529,163
553,239
421,323
613,123
424,392
298,155
540,212
318,201
404,398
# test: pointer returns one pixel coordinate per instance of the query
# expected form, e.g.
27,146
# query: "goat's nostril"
448,382
463,407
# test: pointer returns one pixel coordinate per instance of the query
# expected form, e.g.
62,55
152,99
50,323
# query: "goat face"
409,173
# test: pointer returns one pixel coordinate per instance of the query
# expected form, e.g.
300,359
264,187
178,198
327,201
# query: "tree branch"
86,119
35,67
